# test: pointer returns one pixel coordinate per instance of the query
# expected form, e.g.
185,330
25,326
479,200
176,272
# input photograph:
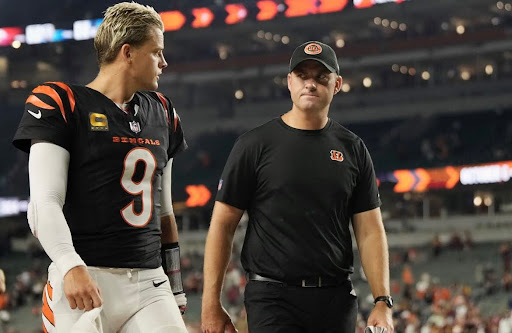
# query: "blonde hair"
124,23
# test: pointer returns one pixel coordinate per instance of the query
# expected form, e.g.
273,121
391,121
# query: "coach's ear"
337,85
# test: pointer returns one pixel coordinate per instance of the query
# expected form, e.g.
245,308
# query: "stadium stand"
438,98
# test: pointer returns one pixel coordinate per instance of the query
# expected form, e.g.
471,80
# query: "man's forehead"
311,65
159,37
155,37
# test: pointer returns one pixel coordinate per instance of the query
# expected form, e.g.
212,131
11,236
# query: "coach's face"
148,61
312,86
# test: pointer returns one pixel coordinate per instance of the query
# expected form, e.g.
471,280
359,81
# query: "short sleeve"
366,193
47,116
237,183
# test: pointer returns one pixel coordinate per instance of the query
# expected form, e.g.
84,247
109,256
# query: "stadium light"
300,8
340,43
236,13
8,35
173,20
203,17
465,75
330,6
268,9
199,195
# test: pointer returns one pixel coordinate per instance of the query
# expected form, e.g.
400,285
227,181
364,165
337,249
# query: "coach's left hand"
381,316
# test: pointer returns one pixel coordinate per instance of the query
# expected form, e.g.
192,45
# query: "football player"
100,181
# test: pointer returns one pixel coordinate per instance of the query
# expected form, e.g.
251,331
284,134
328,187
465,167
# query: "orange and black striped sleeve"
177,142
48,116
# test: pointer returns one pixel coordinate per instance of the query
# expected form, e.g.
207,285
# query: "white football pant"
134,301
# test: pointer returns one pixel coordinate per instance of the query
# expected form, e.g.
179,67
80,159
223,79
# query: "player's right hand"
215,319
81,290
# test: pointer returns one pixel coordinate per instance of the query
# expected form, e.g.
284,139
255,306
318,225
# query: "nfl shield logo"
134,126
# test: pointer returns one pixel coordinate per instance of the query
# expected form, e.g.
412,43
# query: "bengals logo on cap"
313,48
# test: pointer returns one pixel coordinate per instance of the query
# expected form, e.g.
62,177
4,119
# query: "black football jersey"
115,171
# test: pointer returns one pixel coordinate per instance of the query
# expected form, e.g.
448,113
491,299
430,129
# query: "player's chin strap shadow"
89,322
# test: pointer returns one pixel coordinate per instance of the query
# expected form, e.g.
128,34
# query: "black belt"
312,282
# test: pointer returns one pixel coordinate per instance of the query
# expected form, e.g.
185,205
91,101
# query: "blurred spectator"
479,275
407,276
491,284
507,281
505,325
436,245
468,240
422,286
456,242
234,286
506,255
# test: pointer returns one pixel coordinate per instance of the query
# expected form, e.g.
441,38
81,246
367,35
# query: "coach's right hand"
215,319
81,290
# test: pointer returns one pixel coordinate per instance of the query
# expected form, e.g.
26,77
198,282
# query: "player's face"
149,61
312,86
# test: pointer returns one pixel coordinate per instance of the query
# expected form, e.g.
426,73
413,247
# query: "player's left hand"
381,316
181,300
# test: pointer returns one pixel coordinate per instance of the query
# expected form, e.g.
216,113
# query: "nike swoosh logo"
36,115
156,284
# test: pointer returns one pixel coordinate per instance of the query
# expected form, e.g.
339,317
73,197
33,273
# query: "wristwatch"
386,299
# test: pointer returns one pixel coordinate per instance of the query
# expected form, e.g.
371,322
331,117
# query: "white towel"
89,322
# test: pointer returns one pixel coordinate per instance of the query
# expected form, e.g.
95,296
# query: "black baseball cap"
318,51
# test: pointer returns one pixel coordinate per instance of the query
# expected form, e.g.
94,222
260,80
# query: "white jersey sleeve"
48,173
166,197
